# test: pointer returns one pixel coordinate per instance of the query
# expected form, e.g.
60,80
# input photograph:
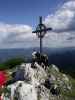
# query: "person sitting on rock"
16,76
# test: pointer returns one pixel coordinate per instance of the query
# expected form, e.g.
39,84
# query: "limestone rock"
55,68
33,88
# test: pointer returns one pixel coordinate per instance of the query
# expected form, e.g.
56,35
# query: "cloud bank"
63,24
62,35
14,35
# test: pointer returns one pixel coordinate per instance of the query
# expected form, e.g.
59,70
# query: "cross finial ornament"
40,31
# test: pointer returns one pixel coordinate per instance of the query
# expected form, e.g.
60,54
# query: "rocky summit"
39,84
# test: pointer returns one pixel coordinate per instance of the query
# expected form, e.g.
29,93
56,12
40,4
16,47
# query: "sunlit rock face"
34,86
28,88
55,68
22,91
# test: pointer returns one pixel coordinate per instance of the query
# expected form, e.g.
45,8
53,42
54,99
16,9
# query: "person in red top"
3,80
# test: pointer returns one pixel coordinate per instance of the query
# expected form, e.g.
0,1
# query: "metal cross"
40,31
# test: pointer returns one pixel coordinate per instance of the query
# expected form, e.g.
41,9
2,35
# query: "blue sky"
18,18
26,11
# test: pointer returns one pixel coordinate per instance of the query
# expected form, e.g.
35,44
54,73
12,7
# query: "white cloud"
15,28
63,17
62,22
12,35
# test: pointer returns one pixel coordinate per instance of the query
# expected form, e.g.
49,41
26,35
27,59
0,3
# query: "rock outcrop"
34,85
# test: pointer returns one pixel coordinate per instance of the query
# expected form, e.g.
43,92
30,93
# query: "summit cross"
40,31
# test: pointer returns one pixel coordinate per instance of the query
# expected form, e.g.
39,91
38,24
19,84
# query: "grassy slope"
11,63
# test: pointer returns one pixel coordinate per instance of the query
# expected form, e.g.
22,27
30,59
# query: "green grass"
2,66
11,63
67,93
72,92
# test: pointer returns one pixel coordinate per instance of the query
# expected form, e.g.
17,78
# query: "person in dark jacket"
16,76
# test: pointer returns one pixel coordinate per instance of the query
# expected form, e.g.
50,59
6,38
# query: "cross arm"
42,30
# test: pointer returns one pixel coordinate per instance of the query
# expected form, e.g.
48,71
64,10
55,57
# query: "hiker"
40,59
35,58
3,80
16,76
